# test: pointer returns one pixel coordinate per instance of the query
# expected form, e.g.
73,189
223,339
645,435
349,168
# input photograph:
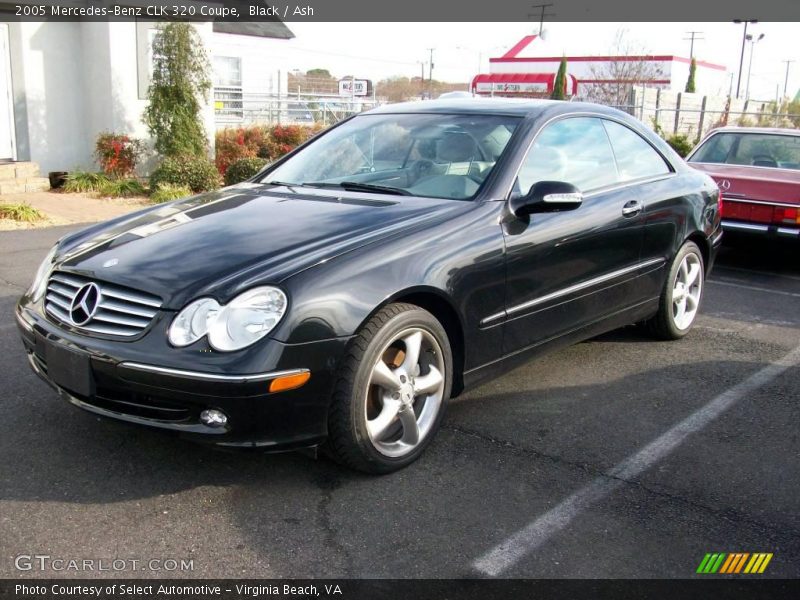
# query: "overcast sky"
379,50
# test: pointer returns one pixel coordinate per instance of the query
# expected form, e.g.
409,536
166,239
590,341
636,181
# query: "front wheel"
392,391
681,296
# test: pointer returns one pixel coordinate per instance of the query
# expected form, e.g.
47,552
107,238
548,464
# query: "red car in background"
758,173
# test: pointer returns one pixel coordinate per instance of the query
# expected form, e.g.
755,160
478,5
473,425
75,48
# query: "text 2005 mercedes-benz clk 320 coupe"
343,295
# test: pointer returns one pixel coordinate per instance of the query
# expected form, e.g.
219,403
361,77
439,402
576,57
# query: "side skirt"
627,316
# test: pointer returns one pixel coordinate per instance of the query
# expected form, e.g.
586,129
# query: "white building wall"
709,81
48,81
712,82
73,81
263,61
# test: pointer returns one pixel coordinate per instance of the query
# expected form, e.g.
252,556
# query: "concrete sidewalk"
63,209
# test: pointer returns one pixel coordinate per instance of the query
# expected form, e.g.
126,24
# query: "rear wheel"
681,296
392,392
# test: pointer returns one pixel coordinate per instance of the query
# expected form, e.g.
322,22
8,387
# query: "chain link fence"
234,108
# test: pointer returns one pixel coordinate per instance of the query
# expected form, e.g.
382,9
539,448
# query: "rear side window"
574,150
754,149
636,159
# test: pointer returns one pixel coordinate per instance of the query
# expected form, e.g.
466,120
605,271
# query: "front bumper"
146,382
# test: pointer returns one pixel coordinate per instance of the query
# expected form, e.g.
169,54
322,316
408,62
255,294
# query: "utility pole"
693,36
542,14
741,58
786,79
430,74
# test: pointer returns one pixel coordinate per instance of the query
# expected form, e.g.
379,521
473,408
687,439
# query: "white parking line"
506,554
754,288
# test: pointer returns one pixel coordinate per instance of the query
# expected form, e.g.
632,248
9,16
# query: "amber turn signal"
289,382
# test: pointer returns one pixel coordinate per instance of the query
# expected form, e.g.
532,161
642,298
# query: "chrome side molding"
245,378
572,289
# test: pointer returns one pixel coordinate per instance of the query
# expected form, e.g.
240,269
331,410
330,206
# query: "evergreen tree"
179,83
561,81
690,81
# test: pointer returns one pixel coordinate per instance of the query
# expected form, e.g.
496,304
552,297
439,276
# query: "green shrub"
83,181
167,192
20,212
122,188
198,174
242,169
680,143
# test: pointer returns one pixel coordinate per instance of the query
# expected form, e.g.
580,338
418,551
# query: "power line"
353,56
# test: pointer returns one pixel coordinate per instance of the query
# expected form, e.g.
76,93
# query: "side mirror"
547,196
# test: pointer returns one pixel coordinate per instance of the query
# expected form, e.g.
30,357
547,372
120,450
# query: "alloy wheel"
686,291
405,392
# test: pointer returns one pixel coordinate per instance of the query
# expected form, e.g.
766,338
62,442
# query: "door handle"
632,208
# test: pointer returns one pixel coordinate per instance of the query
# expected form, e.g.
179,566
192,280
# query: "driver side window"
573,150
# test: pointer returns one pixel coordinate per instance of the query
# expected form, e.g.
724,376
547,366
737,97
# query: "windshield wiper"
283,183
355,186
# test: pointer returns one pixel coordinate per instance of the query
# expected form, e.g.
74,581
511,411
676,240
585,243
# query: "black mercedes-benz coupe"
343,295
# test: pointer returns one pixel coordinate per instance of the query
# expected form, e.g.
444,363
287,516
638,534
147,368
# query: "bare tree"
616,78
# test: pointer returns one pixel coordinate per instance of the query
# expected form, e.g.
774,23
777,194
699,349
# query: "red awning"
514,78
548,79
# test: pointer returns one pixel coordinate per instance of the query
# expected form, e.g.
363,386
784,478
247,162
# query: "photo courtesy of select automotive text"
358,300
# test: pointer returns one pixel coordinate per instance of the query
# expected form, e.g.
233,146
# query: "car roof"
768,130
521,107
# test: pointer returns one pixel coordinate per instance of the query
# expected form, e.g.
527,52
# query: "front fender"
461,260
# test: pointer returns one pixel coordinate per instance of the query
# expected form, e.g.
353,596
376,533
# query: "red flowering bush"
117,154
285,138
270,143
233,145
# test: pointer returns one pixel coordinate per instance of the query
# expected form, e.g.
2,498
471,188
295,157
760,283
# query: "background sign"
357,87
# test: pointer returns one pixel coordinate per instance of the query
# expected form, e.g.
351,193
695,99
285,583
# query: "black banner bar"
734,588
405,11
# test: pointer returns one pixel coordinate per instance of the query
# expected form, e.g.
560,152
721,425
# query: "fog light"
213,418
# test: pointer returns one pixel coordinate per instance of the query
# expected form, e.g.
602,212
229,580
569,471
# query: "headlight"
39,284
243,321
193,322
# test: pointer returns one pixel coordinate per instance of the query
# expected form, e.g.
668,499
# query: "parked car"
299,112
758,172
345,293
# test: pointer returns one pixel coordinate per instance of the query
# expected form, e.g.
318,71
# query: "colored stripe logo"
734,563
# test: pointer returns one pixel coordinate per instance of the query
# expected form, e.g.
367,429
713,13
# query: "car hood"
221,243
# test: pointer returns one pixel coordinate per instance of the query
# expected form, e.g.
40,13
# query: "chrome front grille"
117,310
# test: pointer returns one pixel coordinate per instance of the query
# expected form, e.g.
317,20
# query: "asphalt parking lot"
527,466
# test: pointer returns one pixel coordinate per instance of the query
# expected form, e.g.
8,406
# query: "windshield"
439,156
754,149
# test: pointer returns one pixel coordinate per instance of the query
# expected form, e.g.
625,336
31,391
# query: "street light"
741,58
753,41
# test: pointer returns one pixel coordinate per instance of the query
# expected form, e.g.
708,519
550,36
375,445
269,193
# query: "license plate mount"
69,369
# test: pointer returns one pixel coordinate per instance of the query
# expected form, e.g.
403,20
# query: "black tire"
663,325
348,440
